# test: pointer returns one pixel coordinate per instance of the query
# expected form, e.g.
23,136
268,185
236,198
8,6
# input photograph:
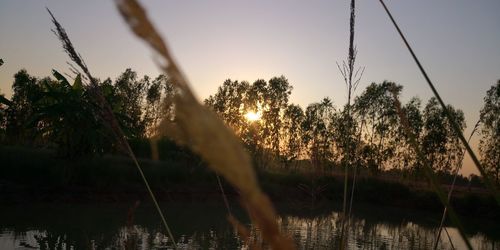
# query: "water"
204,226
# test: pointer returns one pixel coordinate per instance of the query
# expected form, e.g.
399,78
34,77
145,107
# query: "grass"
41,171
37,174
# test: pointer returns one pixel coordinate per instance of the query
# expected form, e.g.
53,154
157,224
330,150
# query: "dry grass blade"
201,130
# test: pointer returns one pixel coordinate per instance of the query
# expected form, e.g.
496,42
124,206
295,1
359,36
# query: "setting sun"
252,116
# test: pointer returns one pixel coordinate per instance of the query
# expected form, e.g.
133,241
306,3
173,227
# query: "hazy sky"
458,42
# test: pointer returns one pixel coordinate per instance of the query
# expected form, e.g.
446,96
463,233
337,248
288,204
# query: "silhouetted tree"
344,131
131,95
489,144
26,91
4,105
276,101
291,135
258,131
376,107
229,103
234,100
405,157
440,144
317,133
159,103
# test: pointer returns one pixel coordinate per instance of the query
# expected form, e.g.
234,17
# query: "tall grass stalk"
106,113
351,80
201,130
428,170
489,183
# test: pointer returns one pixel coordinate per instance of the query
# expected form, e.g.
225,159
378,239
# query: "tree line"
57,112
372,133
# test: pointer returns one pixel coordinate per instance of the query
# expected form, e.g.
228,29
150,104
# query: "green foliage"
65,115
57,113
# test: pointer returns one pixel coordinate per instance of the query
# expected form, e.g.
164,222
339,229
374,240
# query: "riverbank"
28,176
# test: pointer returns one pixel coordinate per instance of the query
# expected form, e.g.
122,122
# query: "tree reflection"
367,230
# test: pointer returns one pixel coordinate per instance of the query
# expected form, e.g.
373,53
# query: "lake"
198,225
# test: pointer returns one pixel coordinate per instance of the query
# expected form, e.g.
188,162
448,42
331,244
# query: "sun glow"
252,116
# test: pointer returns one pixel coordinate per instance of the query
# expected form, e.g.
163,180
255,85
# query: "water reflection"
203,226
324,233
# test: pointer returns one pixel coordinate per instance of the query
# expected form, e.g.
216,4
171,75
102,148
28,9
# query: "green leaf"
60,78
77,85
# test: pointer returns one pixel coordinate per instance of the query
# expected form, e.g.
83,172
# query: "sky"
457,41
